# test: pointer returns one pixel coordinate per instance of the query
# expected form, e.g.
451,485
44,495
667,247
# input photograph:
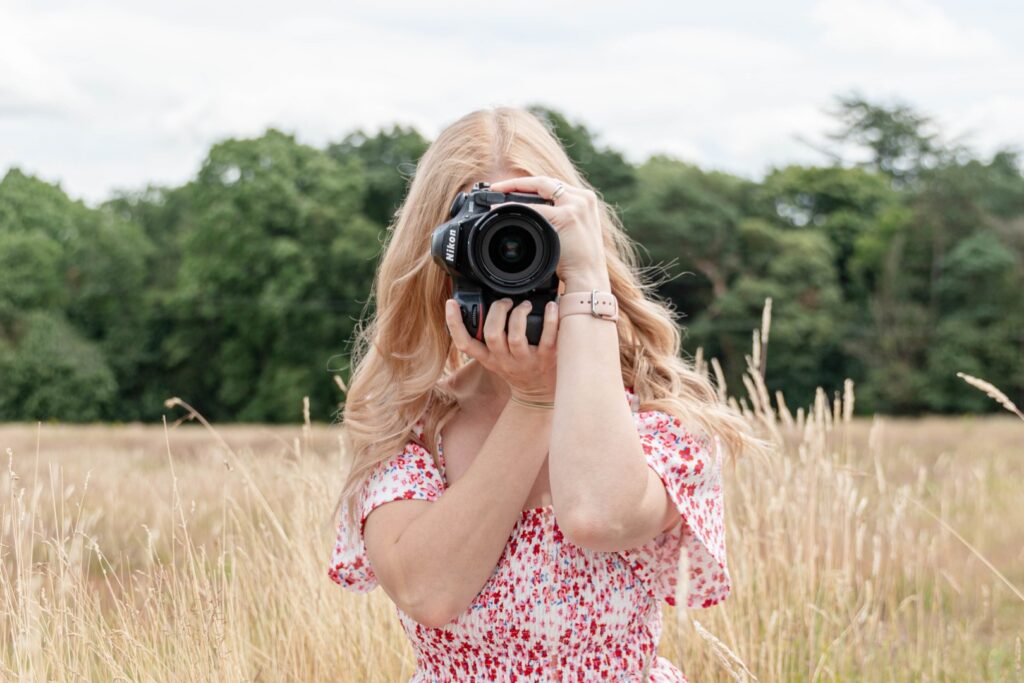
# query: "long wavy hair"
402,353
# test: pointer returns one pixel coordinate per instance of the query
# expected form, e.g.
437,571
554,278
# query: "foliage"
240,290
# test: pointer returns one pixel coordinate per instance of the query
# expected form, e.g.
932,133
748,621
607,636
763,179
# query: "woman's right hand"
529,370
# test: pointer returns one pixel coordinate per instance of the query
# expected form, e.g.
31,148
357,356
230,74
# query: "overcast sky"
109,94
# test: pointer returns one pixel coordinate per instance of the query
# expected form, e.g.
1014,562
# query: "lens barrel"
512,249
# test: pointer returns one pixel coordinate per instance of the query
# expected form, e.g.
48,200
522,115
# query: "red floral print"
552,610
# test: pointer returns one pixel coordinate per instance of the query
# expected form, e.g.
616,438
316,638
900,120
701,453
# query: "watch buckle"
593,307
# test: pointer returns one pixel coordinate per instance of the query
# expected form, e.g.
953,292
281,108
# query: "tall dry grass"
882,549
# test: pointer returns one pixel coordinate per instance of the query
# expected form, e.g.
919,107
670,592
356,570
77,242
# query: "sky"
106,96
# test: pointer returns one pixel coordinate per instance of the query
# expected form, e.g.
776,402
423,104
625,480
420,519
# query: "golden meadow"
875,549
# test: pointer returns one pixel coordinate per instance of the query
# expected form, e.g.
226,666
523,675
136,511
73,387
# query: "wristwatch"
598,304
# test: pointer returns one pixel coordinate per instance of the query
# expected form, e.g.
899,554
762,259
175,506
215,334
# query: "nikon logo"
449,249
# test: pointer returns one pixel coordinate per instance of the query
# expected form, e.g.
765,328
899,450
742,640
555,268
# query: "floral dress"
551,610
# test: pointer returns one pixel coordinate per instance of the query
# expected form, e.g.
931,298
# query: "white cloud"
909,29
29,84
993,122
116,94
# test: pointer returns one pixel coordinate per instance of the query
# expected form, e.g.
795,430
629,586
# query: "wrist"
538,396
543,406
584,281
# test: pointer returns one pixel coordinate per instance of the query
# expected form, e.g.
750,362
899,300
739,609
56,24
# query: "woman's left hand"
576,217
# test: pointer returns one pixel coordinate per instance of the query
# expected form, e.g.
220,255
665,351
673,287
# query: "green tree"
687,223
899,139
30,275
982,331
389,160
950,202
240,290
840,203
796,269
51,373
274,242
703,226
86,264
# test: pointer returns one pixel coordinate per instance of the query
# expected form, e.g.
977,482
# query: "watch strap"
598,304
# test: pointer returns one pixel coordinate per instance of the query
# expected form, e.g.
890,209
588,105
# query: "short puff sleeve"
690,467
409,475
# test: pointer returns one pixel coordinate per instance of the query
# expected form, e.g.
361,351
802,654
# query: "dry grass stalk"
766,322
719,379
733,664
992,392
783,410
848,400
755,360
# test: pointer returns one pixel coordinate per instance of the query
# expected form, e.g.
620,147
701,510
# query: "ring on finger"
559,191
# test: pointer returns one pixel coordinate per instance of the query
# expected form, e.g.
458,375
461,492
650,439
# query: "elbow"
428,606
431,613
594,531
418,593
428,618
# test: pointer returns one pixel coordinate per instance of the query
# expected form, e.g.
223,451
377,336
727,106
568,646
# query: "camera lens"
512,249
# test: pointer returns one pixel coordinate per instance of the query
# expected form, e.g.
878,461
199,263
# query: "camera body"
492,253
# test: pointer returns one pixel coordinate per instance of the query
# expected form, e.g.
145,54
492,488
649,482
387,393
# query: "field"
864,549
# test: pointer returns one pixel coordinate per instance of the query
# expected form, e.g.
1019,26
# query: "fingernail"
552,305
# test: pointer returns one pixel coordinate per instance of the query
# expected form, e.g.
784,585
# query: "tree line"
896,262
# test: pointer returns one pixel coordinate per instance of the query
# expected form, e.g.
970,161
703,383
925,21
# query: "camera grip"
534,327
473,315
474,303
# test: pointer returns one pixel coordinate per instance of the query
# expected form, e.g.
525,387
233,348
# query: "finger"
543,185
549,335
460,335
518,345
557,216
494,327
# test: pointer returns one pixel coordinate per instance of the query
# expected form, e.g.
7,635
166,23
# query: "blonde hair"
401,354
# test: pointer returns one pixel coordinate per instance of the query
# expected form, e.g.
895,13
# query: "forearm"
597,467
450,551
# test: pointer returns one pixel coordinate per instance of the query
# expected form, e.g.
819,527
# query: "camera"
492,253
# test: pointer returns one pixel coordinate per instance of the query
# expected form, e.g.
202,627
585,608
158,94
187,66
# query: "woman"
538,536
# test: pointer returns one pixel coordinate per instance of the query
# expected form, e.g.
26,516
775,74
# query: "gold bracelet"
533,404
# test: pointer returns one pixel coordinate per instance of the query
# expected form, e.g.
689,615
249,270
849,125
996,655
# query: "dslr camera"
492,253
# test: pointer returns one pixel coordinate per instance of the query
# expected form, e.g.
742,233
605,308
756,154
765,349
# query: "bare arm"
432,558
607,497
